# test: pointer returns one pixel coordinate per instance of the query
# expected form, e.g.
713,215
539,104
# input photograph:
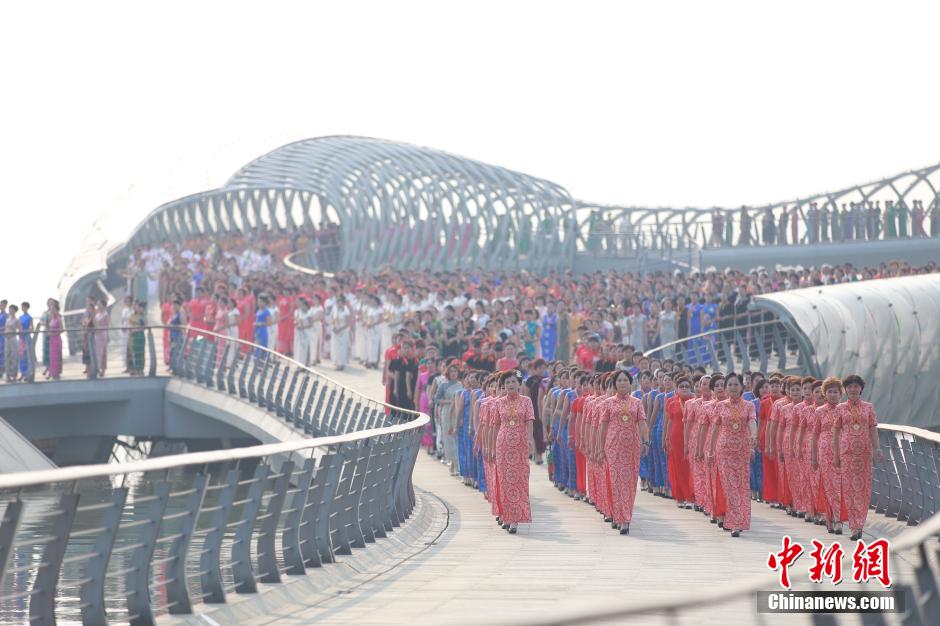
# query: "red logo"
784,559
826,563
871,562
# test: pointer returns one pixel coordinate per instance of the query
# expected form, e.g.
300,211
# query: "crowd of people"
516,367
798,224
18,335
712,442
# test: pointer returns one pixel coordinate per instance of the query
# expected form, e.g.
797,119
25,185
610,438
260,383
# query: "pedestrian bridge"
336,528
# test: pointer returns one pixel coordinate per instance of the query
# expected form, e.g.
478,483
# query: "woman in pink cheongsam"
809,469
733,440
715,497
626,438
696,464
481,444
858,438
798,473
825,452
515,417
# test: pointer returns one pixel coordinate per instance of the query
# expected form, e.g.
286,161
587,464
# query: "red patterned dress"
703,421
513,414
856,420
623,448
770,493
601,491
829,501
680,477
695,466
791,417
733,459
489,467
810,474
782,437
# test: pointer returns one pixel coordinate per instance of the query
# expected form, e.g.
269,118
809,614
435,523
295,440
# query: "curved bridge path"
568,558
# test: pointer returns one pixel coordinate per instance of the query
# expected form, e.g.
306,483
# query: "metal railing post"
92,591
152,348
139,606
267,533
319,512
42,598
241,545
177,590
209,561
11,523
291,543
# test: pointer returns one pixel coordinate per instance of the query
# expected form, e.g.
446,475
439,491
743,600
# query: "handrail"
912,430
77,472
290,264
709,333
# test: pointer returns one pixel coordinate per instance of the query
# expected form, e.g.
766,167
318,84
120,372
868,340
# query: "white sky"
114,108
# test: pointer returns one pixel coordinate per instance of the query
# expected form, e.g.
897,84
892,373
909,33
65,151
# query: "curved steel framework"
885,330
911,200
411,207
394,203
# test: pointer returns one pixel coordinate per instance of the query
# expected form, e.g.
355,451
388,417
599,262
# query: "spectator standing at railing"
768,228
891,220
11,351
138,323
26,338
903,214
102,322
54,327
43,324
124,333
782,226
744,225
794,224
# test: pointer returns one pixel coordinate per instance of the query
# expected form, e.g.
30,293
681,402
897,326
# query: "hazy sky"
111,108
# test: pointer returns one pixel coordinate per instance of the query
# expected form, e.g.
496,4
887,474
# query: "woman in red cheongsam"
858,438
696,463
733,440
625,437
515,418
680,477
771,492
825,452
484,437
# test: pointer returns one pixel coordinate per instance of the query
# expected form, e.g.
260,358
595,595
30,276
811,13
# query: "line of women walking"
819,450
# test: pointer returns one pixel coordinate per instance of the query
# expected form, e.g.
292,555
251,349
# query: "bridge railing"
173,531
743,346
906,486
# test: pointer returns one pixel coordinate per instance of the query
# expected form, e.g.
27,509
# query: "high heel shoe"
721,524
512,529
714,520
735,533
625,529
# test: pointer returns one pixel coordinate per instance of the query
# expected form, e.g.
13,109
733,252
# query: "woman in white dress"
373,338
302,332
340,321
668,328
317,318
233,319
274,321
